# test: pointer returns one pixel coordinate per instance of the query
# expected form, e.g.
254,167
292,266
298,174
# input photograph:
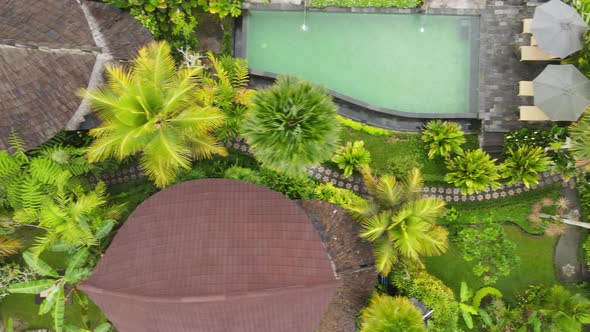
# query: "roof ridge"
51,47
209,298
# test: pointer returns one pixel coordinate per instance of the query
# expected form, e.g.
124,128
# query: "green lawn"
536,265
514,209
388,149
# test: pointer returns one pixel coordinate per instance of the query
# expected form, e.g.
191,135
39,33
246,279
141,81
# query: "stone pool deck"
500,65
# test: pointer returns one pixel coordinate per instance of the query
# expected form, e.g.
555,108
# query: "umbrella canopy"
562,92
558,28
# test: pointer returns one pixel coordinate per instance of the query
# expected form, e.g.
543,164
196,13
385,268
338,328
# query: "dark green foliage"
432,292
399,166
292,125
243,174
294,187
586,247
486,244
534,137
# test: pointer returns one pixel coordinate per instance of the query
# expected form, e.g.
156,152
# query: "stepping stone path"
355,183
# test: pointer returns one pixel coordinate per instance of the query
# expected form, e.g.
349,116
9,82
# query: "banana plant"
466,310
54,284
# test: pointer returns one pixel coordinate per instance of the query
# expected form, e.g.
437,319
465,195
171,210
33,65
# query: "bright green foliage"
12,273
473,171
227,90
565,311
359,126
483,292
156,111
222,8
443,138
580,135
170,20
291,125
339,196
26,179
433,293
398,221
524,165
586,246
366,3
77,270
466,310
78,218
391,314
487,245
352,156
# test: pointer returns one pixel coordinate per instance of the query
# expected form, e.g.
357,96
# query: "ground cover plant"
366,3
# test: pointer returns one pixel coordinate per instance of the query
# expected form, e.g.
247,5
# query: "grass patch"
515,209
386,149
536,265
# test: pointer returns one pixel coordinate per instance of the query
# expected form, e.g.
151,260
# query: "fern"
16,143
44,170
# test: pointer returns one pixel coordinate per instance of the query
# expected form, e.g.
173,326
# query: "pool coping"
240,47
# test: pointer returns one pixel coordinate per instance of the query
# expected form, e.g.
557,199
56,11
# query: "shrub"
586,246
524,164
366,3
351,157
534,137
484,292
339,196
488,245
443,138
387,313
13,273
400,166
433,293
291,125
473,171
243,174
373,131
294,187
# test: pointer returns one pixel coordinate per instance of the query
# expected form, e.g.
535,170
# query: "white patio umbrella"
562,92
558,28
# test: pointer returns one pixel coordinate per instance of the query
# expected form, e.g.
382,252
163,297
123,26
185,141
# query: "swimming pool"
400,62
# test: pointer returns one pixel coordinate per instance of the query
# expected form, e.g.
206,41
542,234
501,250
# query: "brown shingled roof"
215,255
47,53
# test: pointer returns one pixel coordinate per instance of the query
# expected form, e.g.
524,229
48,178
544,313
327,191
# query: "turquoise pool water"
406,62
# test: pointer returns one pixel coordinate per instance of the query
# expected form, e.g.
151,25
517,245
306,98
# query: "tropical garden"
177,115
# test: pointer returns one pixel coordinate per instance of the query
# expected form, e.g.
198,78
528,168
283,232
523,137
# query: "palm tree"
155,110
567,312
580,138
398,220
291,125
443,138
391,314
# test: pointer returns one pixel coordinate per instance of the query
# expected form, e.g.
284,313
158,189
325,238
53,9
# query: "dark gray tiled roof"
47,53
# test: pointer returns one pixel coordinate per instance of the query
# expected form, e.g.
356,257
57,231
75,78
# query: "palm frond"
374,227
9,246
385,256
389,191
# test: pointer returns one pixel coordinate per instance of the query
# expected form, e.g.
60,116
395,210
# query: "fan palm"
398,221
155,110
391,314
291,125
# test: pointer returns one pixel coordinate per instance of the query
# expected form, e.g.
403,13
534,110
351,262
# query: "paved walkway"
355,183
566,259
